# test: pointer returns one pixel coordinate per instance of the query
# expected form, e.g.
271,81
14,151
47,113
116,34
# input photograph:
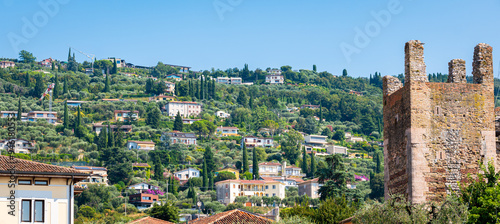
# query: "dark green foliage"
102,141
19,109
55,91
377,185
26,57
205,175
344,73
153,116
211,181
168,212
246,167
339,135
66,117
118,162
39,86
178,122
314,68
304,160
208,157
107,84
255,165
224,175
242,98
65,85
331,210
313,166
333,177
111,138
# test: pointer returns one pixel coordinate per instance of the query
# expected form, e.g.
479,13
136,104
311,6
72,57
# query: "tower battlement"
435,133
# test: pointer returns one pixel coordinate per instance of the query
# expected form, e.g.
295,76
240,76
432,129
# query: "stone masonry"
435,133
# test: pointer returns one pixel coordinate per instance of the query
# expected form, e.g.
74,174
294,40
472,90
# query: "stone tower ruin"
435,133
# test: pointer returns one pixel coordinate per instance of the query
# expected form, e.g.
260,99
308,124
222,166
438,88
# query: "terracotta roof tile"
26,166
233,216
150,220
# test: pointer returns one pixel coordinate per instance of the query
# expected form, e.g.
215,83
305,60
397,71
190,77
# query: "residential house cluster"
50,117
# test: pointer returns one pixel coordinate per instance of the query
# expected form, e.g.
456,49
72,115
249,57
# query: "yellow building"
227,131
32,192
231,170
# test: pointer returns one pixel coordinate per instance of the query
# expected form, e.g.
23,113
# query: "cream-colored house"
32,192
228,190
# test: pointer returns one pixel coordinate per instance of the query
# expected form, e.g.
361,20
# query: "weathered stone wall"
456,71
435,133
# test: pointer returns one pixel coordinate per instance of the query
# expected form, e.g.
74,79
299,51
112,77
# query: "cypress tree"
69,55
378,162
77,124
115,67
255,163
53,66
250,103
65,85
205,175
304,160
27,82
320,114
178,122
103,139
194,195
106,84
19,109
213,89
245,159
55,91
111,138
211,178
66,119
313,165
314,68
209,158
202,89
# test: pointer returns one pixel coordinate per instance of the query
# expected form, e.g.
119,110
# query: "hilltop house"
123,115
187,174
222,114
180,137
227,131
143,187
7,64
20,145
141,145
43,193
98,175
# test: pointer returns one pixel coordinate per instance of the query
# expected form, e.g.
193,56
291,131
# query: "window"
227,186
25,211
39,115
274,194
39,208
274,186
24,182
119,115
267,187
41,182
146,198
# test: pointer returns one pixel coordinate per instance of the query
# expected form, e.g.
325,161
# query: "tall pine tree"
106,84
65,85
255,165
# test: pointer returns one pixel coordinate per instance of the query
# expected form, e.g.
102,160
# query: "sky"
363,37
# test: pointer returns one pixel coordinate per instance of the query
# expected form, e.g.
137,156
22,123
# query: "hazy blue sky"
263,33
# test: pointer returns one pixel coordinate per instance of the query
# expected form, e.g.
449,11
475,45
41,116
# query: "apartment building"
229,80
185,108
43,193
50,117
335,149
228,190
251,141
125,115
143,200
